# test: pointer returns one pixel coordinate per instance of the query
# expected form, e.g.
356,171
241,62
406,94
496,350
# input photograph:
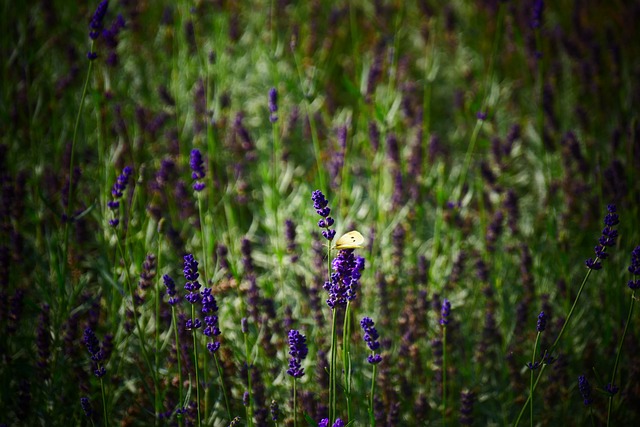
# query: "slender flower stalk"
193,286
245,334
444,321
533,365
634,285
607,239
170,286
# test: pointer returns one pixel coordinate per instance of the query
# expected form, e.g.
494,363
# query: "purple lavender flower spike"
320,204
191,274
634,269
444,313
298,352
585,390
171,289
273,105
85,404
117,191
608,238
97,356
542,322
197,169
371,339
97,21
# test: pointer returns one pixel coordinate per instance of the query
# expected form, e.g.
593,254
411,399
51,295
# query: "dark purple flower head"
612,389
371,338
346,274
275,410
290,235
481,115
585,390
197,169
43,337
298,352
320,204
97,21
86,406
273,105
634,269
97,356
542,322
444,312
117,191
536,14
467,399
191,275
171,289
608,238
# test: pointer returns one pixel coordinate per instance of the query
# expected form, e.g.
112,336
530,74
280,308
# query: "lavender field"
319,213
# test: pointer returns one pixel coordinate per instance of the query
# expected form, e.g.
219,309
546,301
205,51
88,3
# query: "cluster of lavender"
371,338
118,189
608,238
298,352
320,204
345,278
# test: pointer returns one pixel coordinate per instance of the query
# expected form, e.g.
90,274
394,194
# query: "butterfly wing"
350,240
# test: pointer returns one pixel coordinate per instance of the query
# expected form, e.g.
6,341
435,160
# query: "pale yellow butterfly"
350,240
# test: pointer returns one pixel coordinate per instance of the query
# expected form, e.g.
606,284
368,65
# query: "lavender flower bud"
273,105
444,312
585,390
197,169
542,322
608,238
634,269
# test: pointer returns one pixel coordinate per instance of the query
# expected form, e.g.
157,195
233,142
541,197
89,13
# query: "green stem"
224,391
143,344
312,125
157,335
444,374
346,358
177,339
104,402
372,419
533,361
195,362
615,366
332,367
250,407
295,408
71,196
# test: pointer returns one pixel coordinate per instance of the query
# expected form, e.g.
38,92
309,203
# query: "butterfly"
350,240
